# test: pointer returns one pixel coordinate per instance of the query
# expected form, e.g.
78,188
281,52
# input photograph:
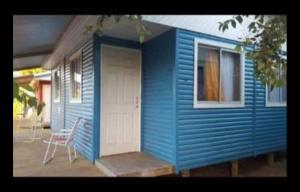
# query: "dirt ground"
249,167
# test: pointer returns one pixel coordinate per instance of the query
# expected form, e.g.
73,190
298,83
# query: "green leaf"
251,26
98,32
141,37
15,89
233,23
32,102
238,48
28,88
117,18
239,18
40,108
140,17
89,28
19,98
225,27
261,19
130,17
100,20
220,25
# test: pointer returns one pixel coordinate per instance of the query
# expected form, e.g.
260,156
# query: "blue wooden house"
183,96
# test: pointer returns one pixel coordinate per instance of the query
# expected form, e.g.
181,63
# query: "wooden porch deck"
133,164
28,157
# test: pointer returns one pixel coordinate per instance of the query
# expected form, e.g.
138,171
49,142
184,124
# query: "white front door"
120,100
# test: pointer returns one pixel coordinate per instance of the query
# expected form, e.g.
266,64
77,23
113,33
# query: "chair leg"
46,160
46,154
75,152
53,153
34,132
42,130
70,154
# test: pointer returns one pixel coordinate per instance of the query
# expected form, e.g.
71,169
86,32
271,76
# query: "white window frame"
223,47
57,100
71,99
270,103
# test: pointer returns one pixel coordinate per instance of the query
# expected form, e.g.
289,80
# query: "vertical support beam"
270,158
234,168
185,173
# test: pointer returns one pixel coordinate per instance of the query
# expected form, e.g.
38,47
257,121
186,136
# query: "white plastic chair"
37,123
33,122
63,138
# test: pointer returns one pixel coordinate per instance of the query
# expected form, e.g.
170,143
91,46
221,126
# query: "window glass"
230,77
219,79
278,94
75,77
208,74
57,84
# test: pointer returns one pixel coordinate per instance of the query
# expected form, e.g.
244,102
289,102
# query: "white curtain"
283,94
274,95
227,76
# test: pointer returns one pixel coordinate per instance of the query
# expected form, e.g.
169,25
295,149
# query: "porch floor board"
134,164
28,157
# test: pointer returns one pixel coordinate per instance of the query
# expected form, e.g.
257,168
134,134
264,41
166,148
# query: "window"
276,97
218,75
57,77
75,77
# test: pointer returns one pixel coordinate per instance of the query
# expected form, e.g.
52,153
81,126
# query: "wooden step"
135,164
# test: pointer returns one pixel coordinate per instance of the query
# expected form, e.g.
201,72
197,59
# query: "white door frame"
101,91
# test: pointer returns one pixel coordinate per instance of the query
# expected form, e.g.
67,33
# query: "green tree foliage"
269,33
24,94
32,71
136,20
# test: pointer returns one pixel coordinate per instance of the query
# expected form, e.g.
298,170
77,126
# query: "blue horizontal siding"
83,138
270,124
158,130
84,135
209,136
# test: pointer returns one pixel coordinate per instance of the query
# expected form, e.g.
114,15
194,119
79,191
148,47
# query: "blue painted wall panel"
171,128
83,137
208,136
271,130
70,111
158,109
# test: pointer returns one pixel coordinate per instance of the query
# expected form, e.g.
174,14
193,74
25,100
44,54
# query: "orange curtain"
212,83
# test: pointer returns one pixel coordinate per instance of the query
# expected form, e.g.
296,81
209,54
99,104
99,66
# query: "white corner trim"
226,47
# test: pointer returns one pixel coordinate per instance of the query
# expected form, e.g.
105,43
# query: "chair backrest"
73,129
